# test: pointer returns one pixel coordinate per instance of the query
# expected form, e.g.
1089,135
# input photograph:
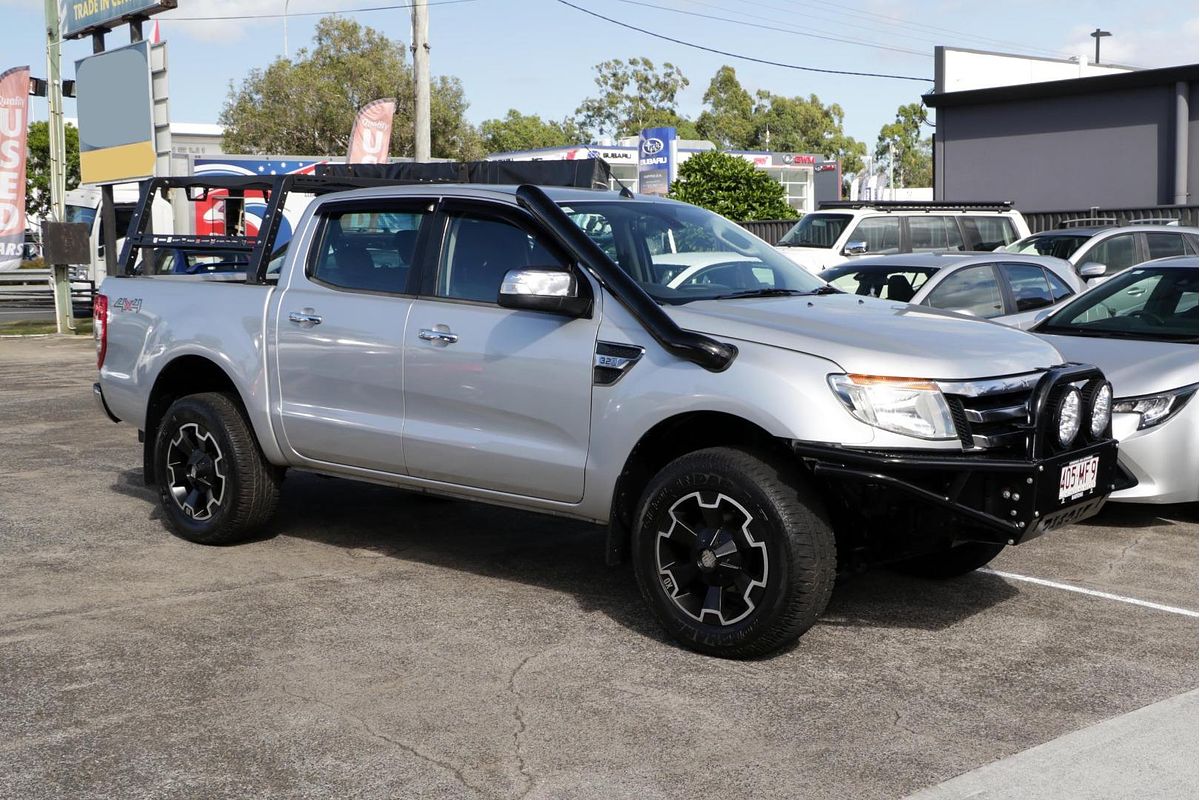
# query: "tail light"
100,327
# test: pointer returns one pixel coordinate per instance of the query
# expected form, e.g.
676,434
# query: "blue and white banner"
657,150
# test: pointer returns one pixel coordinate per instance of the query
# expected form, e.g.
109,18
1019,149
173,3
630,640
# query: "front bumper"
973,498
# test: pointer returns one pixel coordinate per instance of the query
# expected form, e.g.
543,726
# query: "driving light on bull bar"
1101,410
911,406
1069,407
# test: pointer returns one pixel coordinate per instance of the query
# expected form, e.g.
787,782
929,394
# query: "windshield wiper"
779,293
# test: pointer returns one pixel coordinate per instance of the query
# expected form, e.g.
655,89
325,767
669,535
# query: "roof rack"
1080,222
906,205
1171,221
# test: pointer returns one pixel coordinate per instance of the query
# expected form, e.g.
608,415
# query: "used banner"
372,134
14,126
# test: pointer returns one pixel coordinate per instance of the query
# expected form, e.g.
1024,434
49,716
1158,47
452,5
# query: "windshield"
679,253
1153,303
816,230
1059,245
84,214
889,283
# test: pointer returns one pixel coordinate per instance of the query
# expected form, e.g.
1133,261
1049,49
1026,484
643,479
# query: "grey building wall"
1113,148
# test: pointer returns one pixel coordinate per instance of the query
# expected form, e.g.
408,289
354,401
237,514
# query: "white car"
1098,253
1140,327
841,231
1013,290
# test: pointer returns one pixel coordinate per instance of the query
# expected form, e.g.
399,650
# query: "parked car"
1101,252
1141,328
735,440
841,231
1006,289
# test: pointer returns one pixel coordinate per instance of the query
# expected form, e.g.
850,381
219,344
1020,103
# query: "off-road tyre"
780,537
951,563
205,445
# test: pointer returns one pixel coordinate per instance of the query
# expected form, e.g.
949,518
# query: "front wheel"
732,553
214,483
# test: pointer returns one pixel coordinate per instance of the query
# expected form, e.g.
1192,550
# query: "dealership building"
807,179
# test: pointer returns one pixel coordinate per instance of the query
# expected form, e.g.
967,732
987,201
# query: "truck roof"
559,194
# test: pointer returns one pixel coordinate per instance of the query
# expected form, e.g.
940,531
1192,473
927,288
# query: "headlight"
911,406
1101,410
1155,409
1068,416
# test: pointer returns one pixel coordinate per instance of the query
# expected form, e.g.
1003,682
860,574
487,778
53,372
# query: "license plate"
1078,478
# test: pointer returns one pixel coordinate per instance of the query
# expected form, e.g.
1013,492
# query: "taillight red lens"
100,327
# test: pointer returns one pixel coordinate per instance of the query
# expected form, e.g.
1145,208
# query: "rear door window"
368,250
881,234
1163,245
972,290
934,234
989,233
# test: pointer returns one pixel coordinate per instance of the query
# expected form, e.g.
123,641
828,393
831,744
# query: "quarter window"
990,233
972,290
1162,245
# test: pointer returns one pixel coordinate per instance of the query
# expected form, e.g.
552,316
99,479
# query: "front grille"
992,415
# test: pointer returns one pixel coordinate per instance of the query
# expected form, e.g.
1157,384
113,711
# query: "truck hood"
813,259
873,337
1133,367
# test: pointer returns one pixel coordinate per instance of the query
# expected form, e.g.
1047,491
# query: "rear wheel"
733,555
215,485
959,560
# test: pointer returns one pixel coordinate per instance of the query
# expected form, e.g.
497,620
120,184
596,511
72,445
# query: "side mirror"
550,290
1092,269
855,249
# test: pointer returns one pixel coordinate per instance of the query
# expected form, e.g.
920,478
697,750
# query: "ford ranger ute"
744,430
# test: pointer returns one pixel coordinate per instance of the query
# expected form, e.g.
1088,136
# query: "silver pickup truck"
744,430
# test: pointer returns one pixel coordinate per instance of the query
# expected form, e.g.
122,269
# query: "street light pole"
1098,35
286,52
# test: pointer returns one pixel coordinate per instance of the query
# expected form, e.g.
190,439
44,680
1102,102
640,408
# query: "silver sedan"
1002,287
1140,328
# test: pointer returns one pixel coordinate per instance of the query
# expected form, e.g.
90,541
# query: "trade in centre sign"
81,17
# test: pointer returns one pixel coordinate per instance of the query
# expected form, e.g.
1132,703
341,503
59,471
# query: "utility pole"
1098,35
58,160
420,50
287,53
891,168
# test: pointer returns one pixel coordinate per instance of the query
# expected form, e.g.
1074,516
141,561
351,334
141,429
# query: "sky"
538,55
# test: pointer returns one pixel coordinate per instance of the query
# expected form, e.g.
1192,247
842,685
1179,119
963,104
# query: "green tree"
805,126
519,131
307,105
37,167
901,140
728,117
730,186
634,94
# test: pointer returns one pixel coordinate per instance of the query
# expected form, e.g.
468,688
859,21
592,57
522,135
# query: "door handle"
305,318
437,336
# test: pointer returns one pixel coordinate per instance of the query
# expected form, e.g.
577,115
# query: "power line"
312,13
739,56
775,27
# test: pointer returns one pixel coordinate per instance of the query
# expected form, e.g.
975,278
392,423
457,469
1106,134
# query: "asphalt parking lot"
381,644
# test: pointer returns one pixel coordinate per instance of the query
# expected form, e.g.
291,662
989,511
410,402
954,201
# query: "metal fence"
772,230
35,288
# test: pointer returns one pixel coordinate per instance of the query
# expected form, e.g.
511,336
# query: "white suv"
843,230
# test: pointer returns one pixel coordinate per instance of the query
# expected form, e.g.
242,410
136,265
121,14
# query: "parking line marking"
1095,593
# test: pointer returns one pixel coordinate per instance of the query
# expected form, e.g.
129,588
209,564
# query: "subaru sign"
656,160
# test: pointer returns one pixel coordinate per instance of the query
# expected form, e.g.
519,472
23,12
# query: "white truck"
744,432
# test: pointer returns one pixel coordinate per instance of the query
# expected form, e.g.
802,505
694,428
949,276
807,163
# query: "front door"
495,398
340,335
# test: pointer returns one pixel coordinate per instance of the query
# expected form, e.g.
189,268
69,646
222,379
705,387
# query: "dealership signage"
372,133
656,160
14,124
83,17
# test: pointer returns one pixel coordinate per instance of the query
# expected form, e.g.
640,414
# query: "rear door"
495,398
340,334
